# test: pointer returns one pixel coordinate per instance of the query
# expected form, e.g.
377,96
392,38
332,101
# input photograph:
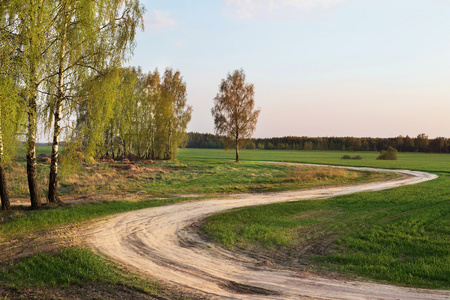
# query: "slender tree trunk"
31,149
53,181
33,59
170,150
236,140
138,145
112,149
152,146
3,186
4,189
237,151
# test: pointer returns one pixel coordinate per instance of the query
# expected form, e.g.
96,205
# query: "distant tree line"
420,143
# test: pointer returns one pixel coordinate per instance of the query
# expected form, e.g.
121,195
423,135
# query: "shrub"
389,154
349,157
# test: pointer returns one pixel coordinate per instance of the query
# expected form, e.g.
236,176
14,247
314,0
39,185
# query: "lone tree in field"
234,114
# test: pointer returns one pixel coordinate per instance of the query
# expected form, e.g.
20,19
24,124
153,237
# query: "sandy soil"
158,243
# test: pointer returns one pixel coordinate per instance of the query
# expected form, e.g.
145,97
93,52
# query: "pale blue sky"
320,67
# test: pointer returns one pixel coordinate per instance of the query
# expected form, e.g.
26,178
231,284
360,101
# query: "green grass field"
186,176
429,162
398,236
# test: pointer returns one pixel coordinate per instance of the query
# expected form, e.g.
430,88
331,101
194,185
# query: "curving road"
158,242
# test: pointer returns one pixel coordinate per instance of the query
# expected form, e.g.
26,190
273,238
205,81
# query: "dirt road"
158,242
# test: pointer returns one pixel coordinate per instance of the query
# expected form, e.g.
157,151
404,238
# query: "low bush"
349,157
389,154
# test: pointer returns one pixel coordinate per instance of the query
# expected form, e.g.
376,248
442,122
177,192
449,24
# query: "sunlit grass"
71,267
184,176
398,236
430,162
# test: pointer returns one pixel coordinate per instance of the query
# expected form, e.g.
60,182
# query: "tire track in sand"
157,242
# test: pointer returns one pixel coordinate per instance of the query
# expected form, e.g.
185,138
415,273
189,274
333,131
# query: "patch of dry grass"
299,174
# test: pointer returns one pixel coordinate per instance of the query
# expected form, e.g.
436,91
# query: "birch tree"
33,20
234,114
90,37
149,114
177,113
10,115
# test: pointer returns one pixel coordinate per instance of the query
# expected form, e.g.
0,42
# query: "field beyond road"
429,162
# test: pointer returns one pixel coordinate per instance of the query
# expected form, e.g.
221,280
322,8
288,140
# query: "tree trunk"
237,151
53,181
31,151
236,141
138,141
3,187
170,150
4,190
33,85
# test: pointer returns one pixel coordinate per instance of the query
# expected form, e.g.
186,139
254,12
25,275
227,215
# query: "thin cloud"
159,20
250,8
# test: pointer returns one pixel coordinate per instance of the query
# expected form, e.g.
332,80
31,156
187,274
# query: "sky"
360,68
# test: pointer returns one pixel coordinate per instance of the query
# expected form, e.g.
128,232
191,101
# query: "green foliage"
147,115
11,115
12,111
389,154
95,113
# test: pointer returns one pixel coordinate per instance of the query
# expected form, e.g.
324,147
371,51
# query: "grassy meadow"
131,186
195,172
430,162
399,236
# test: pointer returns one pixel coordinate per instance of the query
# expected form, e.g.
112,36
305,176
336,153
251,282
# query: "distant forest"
420,143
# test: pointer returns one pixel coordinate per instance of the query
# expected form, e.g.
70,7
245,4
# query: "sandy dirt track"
158,242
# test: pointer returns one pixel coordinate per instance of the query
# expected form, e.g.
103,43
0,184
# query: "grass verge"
76,271
20,221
